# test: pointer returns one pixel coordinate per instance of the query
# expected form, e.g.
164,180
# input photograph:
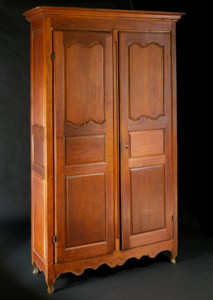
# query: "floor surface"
147,279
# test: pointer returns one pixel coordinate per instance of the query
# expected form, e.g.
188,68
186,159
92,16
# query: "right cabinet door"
145,138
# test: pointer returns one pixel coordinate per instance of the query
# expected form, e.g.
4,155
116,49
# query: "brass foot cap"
50,289
35,271
173,260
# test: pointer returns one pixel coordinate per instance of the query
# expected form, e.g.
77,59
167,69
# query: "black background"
194,115
194,96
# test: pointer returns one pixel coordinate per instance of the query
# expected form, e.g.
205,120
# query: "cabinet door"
146,138
83,95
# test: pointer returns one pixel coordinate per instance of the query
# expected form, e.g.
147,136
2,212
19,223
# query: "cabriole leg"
50,279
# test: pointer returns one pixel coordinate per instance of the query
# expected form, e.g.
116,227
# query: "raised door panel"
146,138
86,210
147,193
146,80
83,144
148,208
85,103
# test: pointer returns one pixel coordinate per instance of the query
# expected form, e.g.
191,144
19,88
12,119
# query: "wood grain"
146,80
89,128
146,143
85,193
84,66
148,199
114,259
38,188
38,78
80,157
85,150
141,140
38,150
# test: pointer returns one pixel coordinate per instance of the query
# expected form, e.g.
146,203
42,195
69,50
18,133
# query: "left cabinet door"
83,133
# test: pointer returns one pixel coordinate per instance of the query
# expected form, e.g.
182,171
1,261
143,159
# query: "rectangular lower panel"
148,199
86,210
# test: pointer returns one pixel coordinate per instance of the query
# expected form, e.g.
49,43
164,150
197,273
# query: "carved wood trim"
145,45
87,45
89,127
145,118
147,123
112,260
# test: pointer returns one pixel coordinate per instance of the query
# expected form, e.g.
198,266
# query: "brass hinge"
54,239
53,55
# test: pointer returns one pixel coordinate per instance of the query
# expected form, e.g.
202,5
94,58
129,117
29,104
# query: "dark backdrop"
194,95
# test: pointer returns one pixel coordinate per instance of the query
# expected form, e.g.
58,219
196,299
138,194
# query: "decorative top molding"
74,12
88,128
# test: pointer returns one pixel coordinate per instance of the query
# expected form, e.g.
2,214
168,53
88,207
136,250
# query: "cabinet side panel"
38,141
37,62
38,189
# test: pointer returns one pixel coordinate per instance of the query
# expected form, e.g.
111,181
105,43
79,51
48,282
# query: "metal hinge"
54,239
171,52
53,55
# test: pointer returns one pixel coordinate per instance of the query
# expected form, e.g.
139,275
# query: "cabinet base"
112,260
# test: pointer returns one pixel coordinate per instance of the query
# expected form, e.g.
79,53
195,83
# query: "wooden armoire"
103,137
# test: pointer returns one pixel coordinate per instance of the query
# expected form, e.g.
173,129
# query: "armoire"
103,137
